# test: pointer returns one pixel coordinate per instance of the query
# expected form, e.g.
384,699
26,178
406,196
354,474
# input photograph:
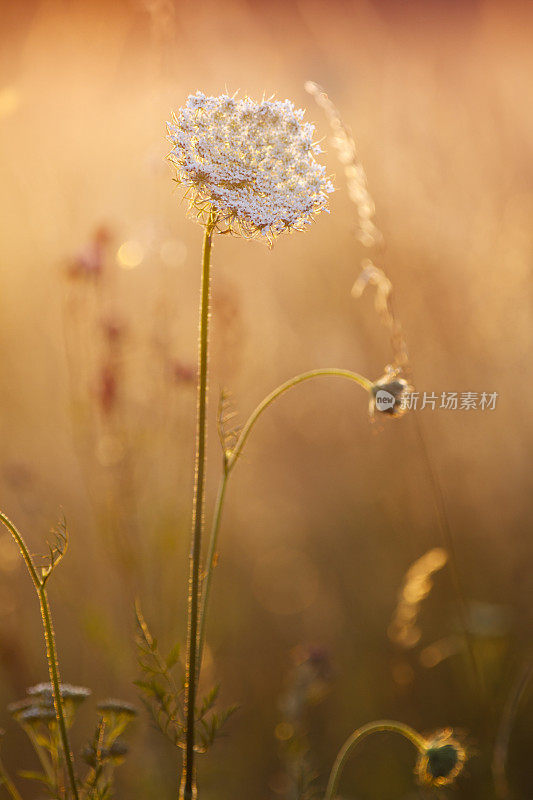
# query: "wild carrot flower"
250,164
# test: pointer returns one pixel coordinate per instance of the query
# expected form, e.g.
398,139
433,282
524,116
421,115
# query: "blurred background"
312,608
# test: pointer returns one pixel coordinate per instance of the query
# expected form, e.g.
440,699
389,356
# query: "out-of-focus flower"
441,760
250,164
117,715
19,706
107,388
115,753
68,692
112,329
112,706
182,373
309,681
37,714
89,261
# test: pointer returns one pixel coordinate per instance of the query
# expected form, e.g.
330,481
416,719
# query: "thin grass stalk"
449,544
503,734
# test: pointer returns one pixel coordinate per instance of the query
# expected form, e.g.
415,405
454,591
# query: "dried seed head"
36,714
67,691
442,759
20,705
250,164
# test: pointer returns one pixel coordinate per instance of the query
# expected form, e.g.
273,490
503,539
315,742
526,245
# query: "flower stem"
53,668
8,784
211,561
51,651
361,733
188,787
304,376
230,460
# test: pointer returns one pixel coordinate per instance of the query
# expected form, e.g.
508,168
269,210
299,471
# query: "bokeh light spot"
130,254
9,101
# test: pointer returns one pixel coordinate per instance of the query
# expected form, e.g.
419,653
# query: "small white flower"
250,165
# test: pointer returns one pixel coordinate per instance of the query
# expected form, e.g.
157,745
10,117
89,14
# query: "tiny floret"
37,714
67,691
248,167
112,706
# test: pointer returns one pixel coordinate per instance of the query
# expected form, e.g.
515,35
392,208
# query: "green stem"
53,668
51,652
211,561
10,787
42,755
372,727
230,460
187,787
17,536
304,376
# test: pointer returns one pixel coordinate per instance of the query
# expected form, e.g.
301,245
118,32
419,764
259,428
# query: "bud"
388,394
441,760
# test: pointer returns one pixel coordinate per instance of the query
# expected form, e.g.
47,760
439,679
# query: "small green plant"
40,575
162,691
48,711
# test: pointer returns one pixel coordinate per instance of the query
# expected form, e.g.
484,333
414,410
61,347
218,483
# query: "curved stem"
51,652
17,536
372,727
187,786
304,376
230,460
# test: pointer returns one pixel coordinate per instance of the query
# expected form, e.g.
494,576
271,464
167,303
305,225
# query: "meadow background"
325,512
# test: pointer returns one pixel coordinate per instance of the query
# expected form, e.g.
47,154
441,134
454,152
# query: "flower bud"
441,760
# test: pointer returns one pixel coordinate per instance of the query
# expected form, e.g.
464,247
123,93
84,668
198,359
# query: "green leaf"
34,776
173,657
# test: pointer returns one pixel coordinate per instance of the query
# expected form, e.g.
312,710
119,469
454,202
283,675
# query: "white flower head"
248,166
